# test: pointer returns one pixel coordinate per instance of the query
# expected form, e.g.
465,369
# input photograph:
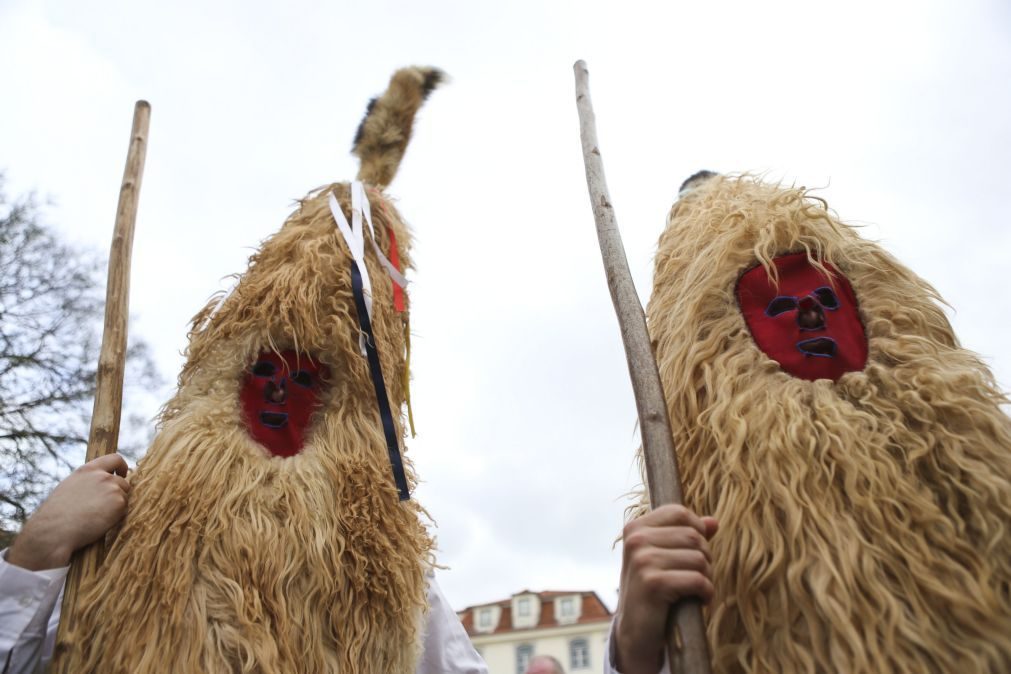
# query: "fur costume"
865,521
234,560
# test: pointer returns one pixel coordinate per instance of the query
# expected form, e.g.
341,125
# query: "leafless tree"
51,302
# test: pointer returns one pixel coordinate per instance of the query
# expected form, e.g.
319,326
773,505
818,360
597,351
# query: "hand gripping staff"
687,648
104,436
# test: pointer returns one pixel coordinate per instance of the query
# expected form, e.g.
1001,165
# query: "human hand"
84,506
665,557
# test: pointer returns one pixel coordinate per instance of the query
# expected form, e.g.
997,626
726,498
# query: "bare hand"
89,502
666,557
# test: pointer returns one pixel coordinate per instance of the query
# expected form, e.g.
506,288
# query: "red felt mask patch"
808,324
279,395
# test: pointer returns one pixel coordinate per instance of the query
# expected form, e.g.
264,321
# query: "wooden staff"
104,436
687,648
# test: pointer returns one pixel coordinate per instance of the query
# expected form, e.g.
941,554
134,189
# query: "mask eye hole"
826,297
781,304
264,369
302,378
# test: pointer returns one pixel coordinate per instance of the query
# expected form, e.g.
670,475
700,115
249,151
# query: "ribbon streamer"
360,207
398,290
375,370
361,287
354,235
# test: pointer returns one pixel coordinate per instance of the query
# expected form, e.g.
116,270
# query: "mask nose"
810,315
275,392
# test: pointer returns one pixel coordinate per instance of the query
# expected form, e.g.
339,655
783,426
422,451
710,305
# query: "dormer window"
486,618
568,609
526,610
569,626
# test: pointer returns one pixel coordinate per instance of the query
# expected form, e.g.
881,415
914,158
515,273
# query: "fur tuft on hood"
385,130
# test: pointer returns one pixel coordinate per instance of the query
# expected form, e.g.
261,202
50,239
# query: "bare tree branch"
51,300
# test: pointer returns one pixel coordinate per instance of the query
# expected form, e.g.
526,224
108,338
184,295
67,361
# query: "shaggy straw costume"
865,522
231,560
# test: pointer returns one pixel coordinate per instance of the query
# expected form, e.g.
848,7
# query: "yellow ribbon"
407,374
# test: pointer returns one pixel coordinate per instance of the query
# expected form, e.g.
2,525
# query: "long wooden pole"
687,648
104,436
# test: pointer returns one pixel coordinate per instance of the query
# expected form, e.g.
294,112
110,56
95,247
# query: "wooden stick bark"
104,436
687,648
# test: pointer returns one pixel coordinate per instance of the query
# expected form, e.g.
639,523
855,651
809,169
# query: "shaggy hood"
864,512
239,555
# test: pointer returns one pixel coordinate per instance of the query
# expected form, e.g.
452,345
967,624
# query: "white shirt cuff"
27,599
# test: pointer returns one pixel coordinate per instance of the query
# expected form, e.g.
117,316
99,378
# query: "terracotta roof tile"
505,621
593,610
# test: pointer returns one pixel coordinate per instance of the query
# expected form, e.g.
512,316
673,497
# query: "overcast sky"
524,412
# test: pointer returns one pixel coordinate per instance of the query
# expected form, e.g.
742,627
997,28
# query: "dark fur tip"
361,125
433,78
695,178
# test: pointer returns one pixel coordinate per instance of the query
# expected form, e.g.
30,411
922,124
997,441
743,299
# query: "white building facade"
570,626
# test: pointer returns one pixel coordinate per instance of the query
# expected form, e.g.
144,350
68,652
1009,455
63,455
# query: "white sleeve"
27,619
609,667
447,648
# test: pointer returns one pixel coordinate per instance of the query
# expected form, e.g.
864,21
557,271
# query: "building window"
579,654
523,607
524,653
568,607
484,618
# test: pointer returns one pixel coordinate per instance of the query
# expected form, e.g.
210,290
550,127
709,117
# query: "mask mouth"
821,347
274,419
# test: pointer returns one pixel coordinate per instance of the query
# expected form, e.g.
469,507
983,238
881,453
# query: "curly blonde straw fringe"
864,524
231,561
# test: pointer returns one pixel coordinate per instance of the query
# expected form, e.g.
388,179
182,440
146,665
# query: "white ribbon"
354,236
360,206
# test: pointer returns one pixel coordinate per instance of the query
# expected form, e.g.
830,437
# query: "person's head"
277,427
816,392
544,664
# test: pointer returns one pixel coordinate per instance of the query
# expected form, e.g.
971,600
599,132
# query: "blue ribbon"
375,370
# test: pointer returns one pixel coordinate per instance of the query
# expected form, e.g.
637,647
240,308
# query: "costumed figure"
855,455
270,527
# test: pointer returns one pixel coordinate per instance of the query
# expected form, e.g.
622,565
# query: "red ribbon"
398,292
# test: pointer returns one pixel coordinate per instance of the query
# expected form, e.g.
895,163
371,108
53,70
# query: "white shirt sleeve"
30,613
447,648
27,616
609,648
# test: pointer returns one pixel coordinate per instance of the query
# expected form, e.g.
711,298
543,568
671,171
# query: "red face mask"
279,395
809,324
